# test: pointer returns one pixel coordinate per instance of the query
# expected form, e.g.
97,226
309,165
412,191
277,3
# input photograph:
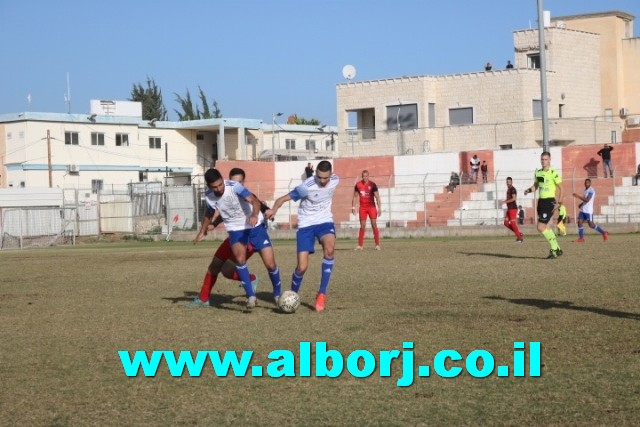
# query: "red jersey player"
511,216
367,193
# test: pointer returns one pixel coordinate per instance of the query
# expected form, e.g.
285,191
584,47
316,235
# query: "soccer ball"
289,302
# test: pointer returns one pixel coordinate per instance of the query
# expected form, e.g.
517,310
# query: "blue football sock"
275,281
296,280
245,278
327,269
581,232
599,229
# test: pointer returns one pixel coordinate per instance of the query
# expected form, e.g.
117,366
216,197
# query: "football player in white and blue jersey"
586,212
315,222
240,212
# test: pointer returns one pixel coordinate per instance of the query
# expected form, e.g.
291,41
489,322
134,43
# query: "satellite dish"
348,72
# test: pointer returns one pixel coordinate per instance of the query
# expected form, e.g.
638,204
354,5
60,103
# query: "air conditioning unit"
633,121
624,112
73,169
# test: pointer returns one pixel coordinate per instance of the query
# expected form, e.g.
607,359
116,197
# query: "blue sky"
255,57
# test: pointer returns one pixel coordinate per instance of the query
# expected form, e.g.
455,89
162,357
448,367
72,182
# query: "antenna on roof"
67,96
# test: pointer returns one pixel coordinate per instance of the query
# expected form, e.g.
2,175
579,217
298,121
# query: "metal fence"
408,201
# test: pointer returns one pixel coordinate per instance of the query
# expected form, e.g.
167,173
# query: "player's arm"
271,213
559,192
531,189
255,204
376,194
206,221
354,199
584,199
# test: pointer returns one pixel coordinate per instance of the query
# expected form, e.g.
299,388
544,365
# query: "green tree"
295,120
191,112
151,99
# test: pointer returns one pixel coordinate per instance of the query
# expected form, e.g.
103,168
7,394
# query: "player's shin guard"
361,237
581,232
551,238
276,282
376,236
598,228
327,269
245,278
207,285
296,280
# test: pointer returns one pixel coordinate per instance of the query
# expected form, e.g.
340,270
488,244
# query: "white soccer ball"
289,301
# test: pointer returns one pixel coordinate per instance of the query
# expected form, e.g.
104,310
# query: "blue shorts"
307,236
585,216
257,236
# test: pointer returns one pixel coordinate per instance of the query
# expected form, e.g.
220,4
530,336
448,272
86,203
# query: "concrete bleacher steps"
475,204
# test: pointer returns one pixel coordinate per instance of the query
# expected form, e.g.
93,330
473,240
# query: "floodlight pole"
543,79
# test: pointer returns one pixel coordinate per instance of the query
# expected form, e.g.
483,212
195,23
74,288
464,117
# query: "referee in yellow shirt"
548,183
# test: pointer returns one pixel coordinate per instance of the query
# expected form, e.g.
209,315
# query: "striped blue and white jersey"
315,201
234,209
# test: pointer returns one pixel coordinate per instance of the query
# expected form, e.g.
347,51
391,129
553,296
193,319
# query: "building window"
608,115
8,135
432,115
122,139
461,116
330,145
97,138
402,117
71,138
290,144
155,142
143,176
536,107
96,186
310,144
560,110
533,61
614,136
200,137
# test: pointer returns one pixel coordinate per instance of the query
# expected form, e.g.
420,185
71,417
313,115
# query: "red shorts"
371,212
511,214
225,253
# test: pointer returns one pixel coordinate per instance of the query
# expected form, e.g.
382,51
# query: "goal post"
30,227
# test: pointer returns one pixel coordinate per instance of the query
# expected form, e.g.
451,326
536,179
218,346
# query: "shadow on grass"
501,255
566,305
227,302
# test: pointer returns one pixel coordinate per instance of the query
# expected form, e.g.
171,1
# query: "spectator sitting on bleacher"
454,181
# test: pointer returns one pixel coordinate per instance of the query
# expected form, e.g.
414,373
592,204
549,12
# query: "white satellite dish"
348,72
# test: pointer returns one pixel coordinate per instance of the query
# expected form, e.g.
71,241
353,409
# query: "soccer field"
66,312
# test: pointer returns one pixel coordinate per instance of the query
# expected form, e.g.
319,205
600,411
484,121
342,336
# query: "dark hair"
212,175
545,153
324,166
509,178
237,171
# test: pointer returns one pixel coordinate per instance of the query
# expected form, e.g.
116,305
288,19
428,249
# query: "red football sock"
207,285
361,237
376,236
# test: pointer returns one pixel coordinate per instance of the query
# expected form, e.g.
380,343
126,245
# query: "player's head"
587,183
214,181
509,181
545,159
323,173
237,174
365,175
